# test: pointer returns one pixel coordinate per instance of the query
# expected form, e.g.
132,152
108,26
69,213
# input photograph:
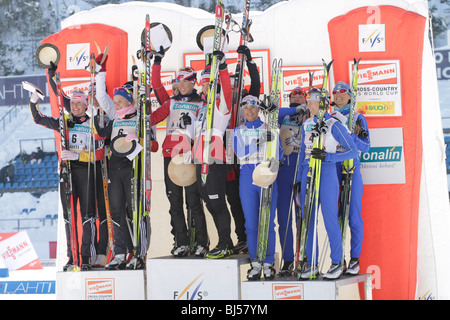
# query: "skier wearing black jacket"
82,188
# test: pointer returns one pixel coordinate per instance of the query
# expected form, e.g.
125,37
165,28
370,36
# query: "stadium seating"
34,177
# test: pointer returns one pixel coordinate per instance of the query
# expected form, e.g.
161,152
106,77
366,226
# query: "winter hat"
206,74
341,85
313,95
78,95
124,92
187,74
297,91
250,100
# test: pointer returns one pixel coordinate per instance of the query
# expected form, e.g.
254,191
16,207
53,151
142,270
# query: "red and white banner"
17,252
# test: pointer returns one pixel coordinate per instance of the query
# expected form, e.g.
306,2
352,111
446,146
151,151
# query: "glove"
34,98
159,55
293,141
319,154
131,136
185,120
101,66
187,158
53,67
317,130
222,60
92,111
246,51
69,155
267,107
274,165
339,116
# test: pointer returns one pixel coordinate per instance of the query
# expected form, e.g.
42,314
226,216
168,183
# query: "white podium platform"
190,278
290,288
101,284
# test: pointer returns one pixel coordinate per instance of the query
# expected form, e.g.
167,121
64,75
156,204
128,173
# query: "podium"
290,288
190,278
101,284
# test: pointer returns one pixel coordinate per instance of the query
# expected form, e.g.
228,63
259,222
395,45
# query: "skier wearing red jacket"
214,191
180,112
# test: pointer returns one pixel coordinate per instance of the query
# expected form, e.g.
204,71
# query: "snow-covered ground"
40,229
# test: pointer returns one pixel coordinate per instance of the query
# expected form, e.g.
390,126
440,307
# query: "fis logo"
78,56
191,291
372,38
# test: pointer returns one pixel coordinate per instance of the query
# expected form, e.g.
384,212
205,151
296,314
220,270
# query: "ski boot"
334,272
268,271
219,253
86,263
200,251
255,272
181,251
99,261
309,273
353,267
286,271
240,247
136,263
118,263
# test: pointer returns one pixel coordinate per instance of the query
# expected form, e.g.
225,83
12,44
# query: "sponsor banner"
298,76
28,287
100,289
101,285
17,252
288,291
379,88
170,279
12,92
385,161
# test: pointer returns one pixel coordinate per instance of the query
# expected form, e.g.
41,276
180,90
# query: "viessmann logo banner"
385,161
379,88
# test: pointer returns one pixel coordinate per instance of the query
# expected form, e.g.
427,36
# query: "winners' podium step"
170,278
290,288
101,285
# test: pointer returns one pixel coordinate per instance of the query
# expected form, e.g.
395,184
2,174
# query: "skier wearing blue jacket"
334,135
341,101
248,142
290,121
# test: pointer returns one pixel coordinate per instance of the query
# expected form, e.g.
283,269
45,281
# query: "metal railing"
15,225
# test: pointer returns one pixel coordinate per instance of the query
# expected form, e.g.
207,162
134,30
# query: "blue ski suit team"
340,145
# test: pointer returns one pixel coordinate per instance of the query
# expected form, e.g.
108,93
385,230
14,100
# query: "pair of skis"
313,184
103,164
66,178
271,154
348,167
141,183
212,90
